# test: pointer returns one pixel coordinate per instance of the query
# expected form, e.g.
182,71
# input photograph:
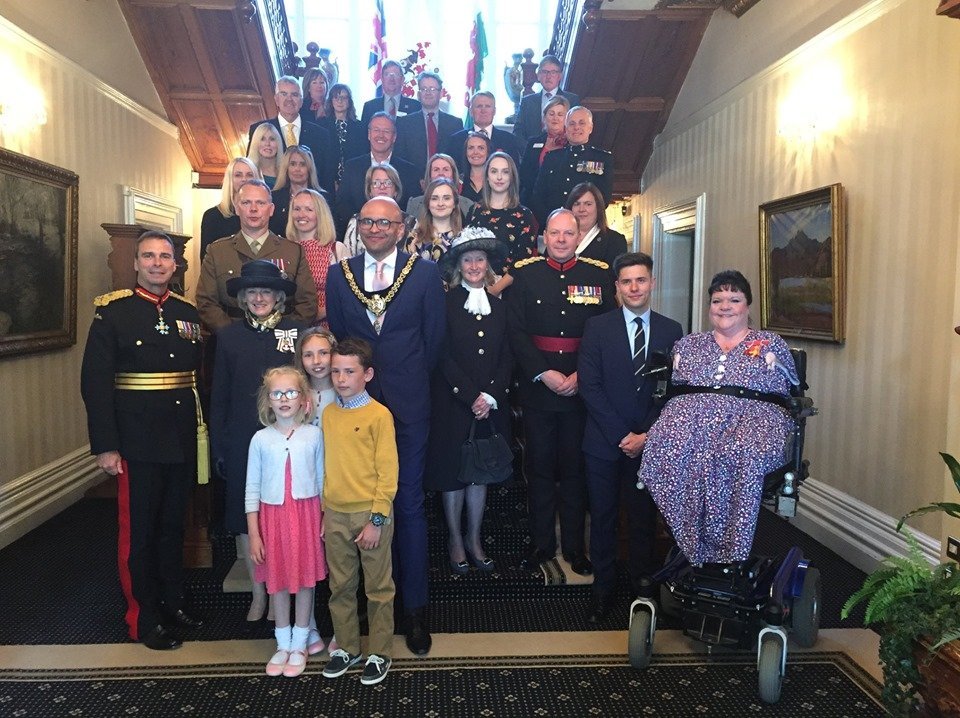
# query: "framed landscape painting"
38,255
802,247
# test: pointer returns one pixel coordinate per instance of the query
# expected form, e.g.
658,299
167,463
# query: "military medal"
578,294
286,338
161,326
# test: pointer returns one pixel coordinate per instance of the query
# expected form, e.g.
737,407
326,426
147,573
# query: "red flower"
756,347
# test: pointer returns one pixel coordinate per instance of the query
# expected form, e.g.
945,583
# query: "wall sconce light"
816,105
21,103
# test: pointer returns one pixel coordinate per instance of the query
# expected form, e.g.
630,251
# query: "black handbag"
485,461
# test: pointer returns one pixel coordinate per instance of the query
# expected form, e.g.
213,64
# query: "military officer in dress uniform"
548,305
226,256
138,384
567,167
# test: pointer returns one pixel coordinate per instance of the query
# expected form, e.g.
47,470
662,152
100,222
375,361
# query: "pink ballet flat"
315,643
278,664
296,664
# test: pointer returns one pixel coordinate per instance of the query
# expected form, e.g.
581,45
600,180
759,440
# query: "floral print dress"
707,454
516,226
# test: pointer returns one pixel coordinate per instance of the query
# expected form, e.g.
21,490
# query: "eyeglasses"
429,90
285,94
382,222
288,394
381,184
549,72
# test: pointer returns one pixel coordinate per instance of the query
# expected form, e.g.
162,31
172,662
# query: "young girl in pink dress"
284,484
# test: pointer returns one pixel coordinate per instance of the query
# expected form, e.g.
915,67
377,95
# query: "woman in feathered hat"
470,382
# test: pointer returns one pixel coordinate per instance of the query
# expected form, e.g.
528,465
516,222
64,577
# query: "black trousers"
555,480
610,481
152,503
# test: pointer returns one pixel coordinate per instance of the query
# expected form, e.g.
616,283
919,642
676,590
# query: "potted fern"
916,607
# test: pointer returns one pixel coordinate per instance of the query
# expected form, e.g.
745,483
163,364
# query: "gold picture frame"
802,268
38,243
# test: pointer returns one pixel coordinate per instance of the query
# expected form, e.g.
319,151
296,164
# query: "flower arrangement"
413,64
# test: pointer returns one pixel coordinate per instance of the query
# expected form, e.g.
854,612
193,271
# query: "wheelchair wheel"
770,668
640,642
806,610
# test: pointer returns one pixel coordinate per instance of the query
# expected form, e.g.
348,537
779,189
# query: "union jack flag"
378,47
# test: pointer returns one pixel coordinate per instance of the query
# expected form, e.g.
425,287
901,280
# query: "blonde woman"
297,171
311,225
265,146
221,220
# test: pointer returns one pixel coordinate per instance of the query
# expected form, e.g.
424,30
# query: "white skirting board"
856,531
29,500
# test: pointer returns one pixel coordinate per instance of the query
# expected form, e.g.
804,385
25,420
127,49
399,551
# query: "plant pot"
941,679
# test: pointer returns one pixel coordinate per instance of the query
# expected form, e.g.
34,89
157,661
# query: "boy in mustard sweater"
361,470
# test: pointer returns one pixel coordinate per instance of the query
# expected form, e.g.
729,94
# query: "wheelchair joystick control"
788,481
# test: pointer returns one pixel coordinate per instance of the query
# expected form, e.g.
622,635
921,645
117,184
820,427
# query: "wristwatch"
378,519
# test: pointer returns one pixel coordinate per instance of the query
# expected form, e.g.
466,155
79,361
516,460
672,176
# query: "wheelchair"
759,601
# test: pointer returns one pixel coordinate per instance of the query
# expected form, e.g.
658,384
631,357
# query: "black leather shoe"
181,619
579,563
532,561
160,639
599,609
416,633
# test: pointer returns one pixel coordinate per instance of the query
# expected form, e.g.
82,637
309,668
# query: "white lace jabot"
478,302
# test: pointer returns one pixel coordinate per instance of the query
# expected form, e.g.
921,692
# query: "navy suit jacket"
319,142
500,141
412,137
372,107
408,346
351,196
615,407
530,122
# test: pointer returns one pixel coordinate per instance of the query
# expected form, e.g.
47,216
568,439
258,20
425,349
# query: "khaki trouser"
345,559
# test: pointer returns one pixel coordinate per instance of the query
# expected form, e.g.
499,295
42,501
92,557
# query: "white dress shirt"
628,318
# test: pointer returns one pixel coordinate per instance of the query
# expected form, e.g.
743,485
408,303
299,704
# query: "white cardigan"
268,457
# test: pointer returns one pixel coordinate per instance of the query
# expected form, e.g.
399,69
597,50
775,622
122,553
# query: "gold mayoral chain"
377,304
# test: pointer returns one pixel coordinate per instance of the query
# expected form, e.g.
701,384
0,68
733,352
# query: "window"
347,30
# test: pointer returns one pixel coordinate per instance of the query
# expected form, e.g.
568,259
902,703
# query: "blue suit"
615,408
404,354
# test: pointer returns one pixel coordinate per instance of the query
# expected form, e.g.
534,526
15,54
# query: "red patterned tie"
431,136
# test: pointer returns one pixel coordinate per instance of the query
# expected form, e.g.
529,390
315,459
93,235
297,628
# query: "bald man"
395,301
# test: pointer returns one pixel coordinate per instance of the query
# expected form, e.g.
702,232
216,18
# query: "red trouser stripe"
123,549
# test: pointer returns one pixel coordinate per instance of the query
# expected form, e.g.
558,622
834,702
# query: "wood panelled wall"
110,141
887,395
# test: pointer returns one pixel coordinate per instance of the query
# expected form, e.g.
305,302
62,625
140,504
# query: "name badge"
590,167
188,330
579,294
538,145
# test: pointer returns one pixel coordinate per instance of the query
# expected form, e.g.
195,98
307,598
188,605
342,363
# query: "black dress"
476,358
214,226
243,355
